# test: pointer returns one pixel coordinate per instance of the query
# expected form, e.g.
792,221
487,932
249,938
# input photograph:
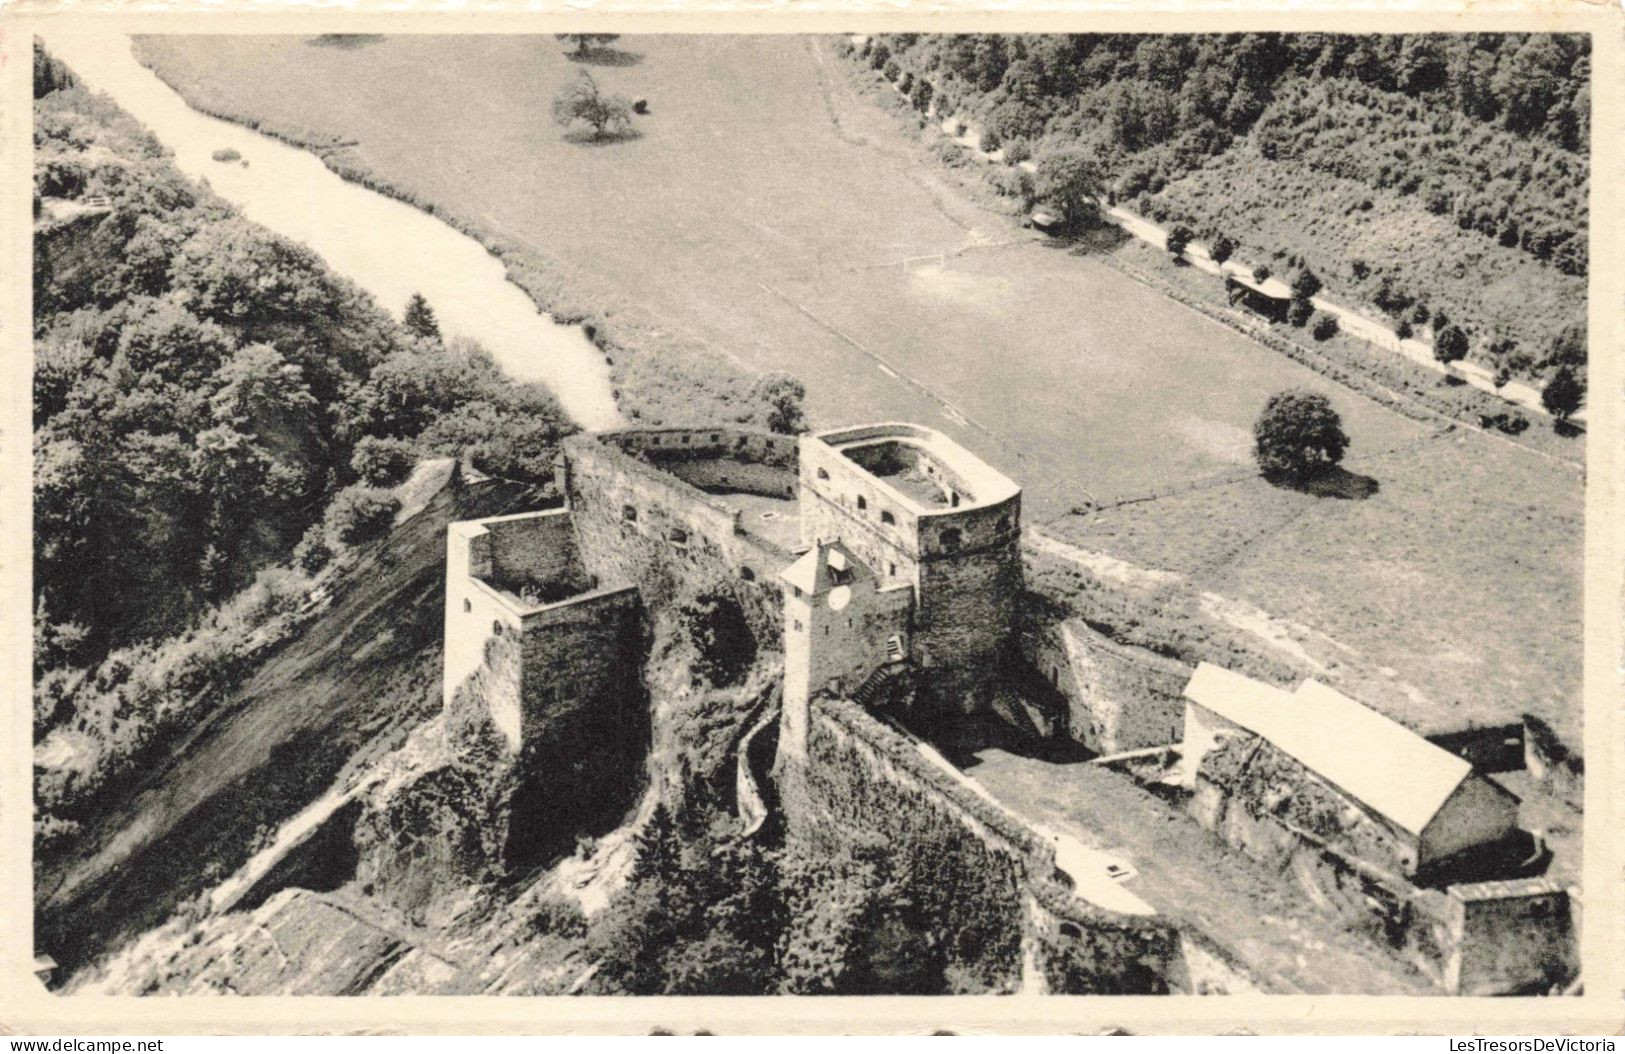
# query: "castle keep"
920,510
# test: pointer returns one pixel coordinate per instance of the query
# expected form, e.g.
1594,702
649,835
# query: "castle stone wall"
580,654
475,612
963,627
1118,697
1516,937
862,775
636,522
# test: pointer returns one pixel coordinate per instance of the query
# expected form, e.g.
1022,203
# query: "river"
386,247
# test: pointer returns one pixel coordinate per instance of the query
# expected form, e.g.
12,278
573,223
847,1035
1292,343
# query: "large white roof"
1379,762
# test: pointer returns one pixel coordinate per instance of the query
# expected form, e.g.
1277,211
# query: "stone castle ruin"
885,561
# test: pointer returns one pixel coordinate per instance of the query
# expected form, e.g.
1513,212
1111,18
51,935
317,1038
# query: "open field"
768,210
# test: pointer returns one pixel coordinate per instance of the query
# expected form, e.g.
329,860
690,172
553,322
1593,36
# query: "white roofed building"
1374,788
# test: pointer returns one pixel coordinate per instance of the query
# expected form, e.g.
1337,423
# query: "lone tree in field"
583,101
419,318
585,43
1450,345
1070,180
1563,394
1297,436
783,395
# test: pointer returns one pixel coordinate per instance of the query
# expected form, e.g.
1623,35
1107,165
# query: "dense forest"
1407,170
215,416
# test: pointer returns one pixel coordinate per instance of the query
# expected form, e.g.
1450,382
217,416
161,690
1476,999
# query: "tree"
419,318
1178,238
586,42
1306,285
382,462
922,95
715,624
359,513
1223,248
1325,326
1070,179
1297,435
1450,345
582,100
1563,394
783,395
1261,274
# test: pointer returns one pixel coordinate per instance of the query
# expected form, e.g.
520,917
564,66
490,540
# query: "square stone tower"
919,509
841,623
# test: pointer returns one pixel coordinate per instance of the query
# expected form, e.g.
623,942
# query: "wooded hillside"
1421,174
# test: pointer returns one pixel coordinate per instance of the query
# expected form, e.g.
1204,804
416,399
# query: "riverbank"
389,249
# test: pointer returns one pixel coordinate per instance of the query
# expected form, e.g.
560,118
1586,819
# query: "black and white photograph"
694,513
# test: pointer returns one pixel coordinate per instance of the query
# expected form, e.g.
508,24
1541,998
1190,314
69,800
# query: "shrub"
1325,327
1016,151
715,624
1261,273
892,71
359,513
922,95
1450,345
1297,435
1511,423
1404,331
905,83
313,552
274,591
382,462
1178,238
227,154
560,917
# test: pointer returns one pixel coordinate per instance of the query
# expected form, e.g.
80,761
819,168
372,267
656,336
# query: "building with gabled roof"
1428,805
